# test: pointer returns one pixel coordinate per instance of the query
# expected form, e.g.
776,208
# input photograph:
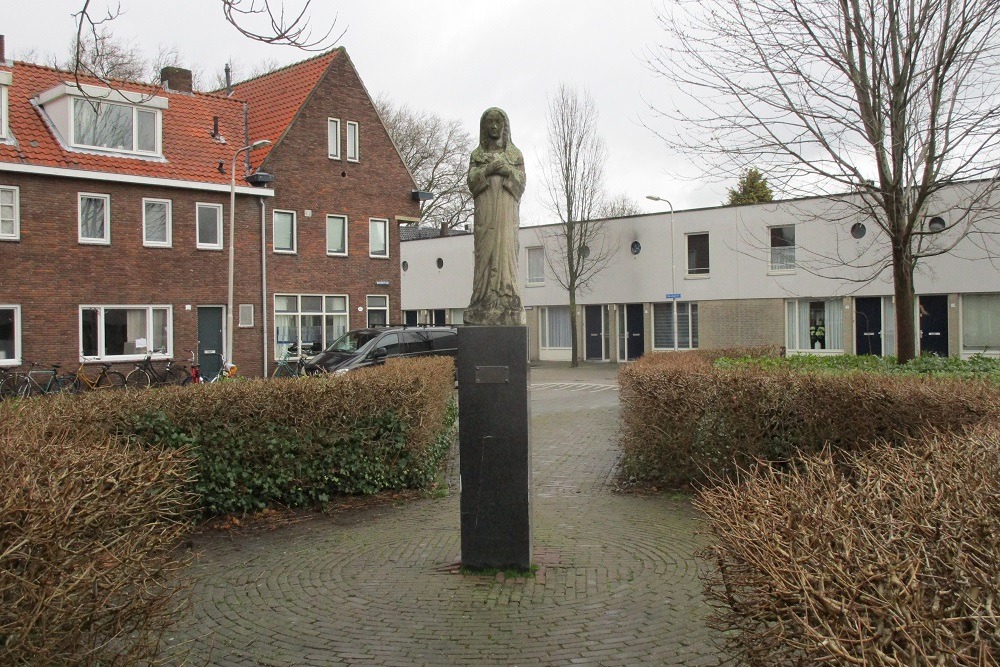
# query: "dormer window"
118,127
5,80
105,119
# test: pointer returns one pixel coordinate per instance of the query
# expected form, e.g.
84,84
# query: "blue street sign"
673,296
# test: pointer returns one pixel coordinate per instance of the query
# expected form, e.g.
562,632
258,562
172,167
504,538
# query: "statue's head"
494,128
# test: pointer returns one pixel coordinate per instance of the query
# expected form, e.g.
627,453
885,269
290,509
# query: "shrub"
887,558
88,524
288,442
684,419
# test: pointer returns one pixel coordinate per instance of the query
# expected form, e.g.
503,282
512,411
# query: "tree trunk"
575,362
902,280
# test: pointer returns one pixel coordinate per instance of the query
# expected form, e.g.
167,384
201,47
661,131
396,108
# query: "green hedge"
292,442
685,420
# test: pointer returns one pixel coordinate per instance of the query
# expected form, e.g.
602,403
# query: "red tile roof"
189,151
276,97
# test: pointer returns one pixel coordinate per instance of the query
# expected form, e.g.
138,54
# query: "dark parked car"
366,347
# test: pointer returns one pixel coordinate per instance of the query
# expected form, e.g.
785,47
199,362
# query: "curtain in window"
88,331
6,212
888,326
159,332
283,226
835,324
336,326
286,332
980,322
559,333
536,265
683,327
136,330
335,234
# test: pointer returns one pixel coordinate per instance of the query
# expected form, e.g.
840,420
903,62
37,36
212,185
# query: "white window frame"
104,240
385,224
687,256
169,224
828,326
343,222
693,325
333,138
967,352
197,227
353,146
780,268
5,82
368,307
544,328
102,343
246,316
279,350
295,233
16,234
136,110
16,359
532,281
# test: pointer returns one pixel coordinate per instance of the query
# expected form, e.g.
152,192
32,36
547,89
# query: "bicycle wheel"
282,371
8,386
24,386
137,379
71,384
60,384
111,380
176,375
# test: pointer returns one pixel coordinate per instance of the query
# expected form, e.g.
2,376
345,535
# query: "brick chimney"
176,79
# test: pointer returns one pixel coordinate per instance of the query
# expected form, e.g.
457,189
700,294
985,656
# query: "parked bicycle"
194,374
291,364
35,382
146,375
106,379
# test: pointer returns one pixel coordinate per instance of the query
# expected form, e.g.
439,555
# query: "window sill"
93,242
9,363
542,284
334,157
781,272
378,256
336,254
210,247
127,358
11,239
286,252
157,245
697,276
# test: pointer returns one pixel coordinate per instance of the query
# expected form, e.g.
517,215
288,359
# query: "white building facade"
796,273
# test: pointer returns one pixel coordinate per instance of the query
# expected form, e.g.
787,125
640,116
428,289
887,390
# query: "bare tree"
580,247
98,52
436,151
892,102
240,72
259,20
619,206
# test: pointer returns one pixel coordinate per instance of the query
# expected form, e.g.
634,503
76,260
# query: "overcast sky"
455,58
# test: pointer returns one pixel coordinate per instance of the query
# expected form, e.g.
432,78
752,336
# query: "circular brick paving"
617,581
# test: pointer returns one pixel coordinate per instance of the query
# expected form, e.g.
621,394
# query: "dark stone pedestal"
494,446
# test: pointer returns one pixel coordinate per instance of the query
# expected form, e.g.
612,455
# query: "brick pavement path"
618,582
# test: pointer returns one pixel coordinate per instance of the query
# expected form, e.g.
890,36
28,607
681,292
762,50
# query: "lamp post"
667,202
232,248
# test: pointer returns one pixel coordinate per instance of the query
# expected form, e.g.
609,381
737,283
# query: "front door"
934,325
632,342
210,340
595,333
868,326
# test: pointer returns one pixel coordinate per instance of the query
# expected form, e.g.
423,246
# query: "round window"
636,247
406,265
440,263
858,230
936,224
585,251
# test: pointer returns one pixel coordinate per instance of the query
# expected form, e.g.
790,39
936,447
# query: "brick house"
115,205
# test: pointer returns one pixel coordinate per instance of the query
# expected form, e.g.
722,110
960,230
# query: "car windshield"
352,341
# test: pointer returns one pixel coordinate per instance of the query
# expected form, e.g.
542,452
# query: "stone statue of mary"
496,179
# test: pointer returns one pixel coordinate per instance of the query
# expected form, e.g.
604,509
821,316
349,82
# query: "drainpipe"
263,278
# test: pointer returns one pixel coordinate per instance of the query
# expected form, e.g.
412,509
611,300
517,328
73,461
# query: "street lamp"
232,249
667,202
